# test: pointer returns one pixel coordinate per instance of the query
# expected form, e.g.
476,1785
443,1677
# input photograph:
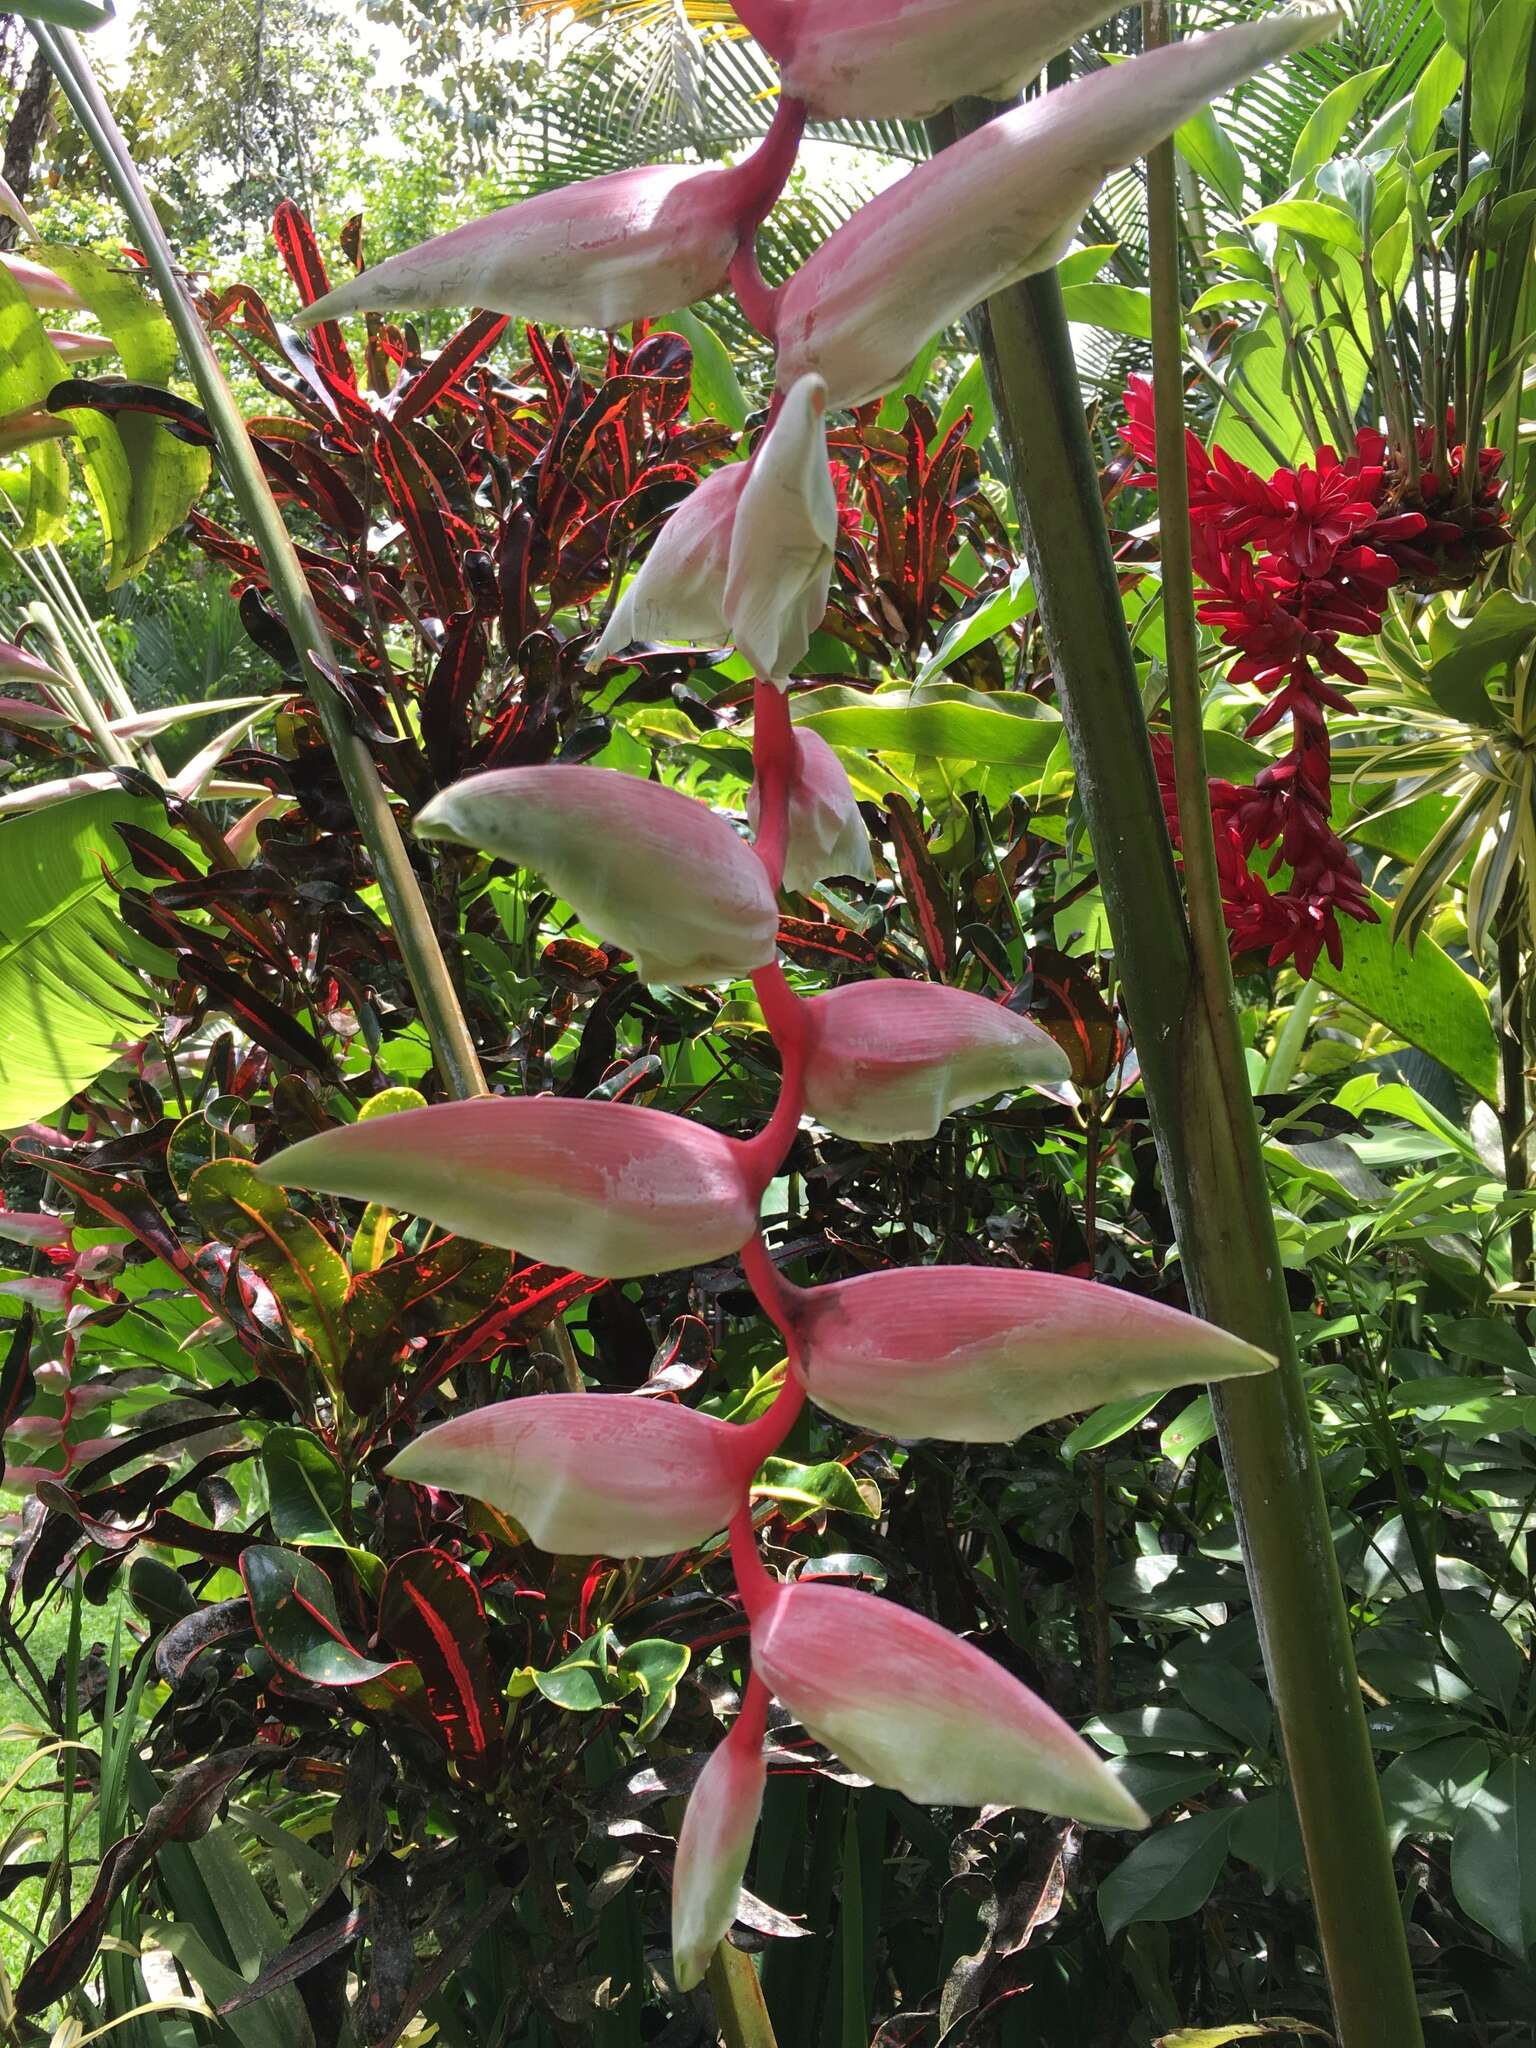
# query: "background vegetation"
211,1585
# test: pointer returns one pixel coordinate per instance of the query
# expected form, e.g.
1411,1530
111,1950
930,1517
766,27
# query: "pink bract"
914,1708
888,1060
712,1851
643,866
604,1188
886,60
996,206
40,286
979,1354
826,834
590,1475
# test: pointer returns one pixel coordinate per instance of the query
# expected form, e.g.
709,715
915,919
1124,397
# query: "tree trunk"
22,138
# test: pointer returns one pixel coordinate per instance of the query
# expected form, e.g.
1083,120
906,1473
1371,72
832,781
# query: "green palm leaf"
73,984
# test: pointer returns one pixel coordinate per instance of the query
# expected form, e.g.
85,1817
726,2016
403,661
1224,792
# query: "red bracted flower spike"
618,1190
1290,564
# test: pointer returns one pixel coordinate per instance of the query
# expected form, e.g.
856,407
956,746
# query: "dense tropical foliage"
303,1749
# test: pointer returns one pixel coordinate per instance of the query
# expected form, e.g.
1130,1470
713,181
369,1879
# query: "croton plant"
590,525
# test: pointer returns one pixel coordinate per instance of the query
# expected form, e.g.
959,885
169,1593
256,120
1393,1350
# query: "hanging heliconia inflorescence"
959,1353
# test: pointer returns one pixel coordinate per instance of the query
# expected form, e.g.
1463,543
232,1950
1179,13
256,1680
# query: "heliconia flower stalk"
599,253
888,1060
998,205
716,1840
41,286
33,1227
604,1188
899,60
748,558
642,865
917,1710
826,835
979,1354
592,1475
784,539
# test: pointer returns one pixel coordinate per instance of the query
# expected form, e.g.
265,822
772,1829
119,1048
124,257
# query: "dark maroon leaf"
927,898
265,1021
184,1813
418,500
811,944
296,244
156,858
449,695
186,421
17,1383
453,361
333,1927
431,1611
1062,996
185,1640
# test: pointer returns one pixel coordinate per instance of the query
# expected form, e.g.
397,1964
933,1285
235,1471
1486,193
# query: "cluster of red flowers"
1291,565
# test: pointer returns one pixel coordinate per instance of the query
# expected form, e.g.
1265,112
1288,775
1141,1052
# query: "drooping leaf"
1169,1875
1422,996
74,984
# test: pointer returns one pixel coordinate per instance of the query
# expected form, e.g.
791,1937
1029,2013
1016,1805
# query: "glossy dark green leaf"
293,1604
1169,1875
1493,1855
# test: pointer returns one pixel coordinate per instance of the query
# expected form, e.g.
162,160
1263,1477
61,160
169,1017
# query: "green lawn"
47,1643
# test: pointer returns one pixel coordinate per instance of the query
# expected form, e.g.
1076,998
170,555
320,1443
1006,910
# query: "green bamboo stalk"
452,1046
1183,1017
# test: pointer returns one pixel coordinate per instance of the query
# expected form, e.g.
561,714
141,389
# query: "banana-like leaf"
73,985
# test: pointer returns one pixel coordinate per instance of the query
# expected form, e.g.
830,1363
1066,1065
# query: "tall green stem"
452,1046
1183,1017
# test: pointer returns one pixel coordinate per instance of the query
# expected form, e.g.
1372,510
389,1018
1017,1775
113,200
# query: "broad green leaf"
1466,650
1207,148
655,1667
1115,1419
1438,84
1081,266
29,368
1312,219
78,14
1267,1835
945,728
1117,308
305,1489
813,1488
1003,609
1487,1655
1189,1429
1159,1730
1493,1856
1456,15
71,973
1159,1782
580,1682
143,478
717,391
1329,121
1422,997
970,391
1277,2029
1169,1875
1499,61
1425,1791
1223,1695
